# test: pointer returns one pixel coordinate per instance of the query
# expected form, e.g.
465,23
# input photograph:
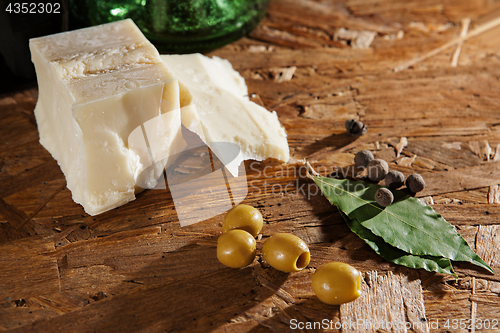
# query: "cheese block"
215,105
108,111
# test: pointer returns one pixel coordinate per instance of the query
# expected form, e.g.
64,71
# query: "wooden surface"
317,63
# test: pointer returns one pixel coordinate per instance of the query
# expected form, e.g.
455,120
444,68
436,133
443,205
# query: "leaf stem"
311,169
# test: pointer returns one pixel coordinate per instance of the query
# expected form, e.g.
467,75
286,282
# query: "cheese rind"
96,87
215,105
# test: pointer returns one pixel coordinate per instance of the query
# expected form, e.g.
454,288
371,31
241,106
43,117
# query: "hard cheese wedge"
102,91
214,105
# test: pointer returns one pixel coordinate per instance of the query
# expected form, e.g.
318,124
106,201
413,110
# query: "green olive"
236,248
243,217
336,283
286,252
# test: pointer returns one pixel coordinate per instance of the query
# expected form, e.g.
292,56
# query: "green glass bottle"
176,26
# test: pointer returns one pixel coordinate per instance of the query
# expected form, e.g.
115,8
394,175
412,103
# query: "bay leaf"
397,256
406,224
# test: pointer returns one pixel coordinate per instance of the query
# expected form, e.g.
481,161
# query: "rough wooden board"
136,260
461,179
452,157
486,244
19,280
388,302
477,196
455,304
477,214
187,305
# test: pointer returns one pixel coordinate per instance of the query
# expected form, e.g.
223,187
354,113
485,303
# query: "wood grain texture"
134,269
21,281
388,302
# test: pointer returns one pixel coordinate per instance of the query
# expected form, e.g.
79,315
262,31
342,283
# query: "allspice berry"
377,170
394,179
384,197
415,183
362,158
355,127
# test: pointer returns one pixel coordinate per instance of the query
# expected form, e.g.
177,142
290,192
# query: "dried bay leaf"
406,224
397,256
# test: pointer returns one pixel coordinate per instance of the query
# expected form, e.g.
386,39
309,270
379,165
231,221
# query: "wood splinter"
463,33
479,30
